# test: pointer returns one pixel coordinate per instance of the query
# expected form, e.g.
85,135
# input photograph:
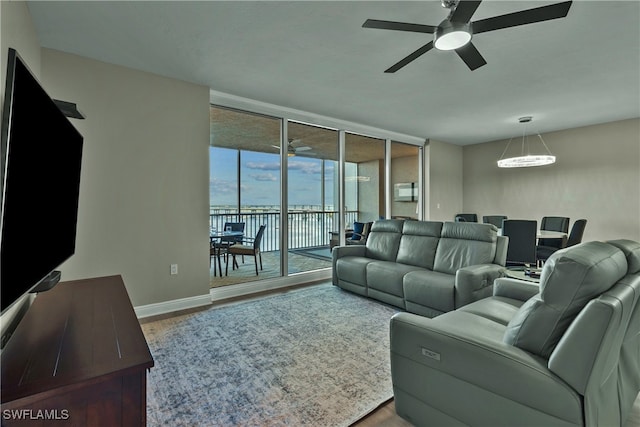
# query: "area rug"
317,356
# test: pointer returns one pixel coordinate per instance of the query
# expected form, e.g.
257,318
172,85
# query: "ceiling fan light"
451,36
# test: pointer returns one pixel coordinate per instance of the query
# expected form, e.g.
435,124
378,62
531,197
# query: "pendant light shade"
526,159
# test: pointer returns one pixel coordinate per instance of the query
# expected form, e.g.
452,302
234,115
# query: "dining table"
215,235
548,234
545,234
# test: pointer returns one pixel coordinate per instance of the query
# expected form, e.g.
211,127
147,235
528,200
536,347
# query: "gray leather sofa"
424,267
564,353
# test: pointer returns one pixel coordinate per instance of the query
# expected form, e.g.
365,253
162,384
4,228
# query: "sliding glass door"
311,193
244,192
404,180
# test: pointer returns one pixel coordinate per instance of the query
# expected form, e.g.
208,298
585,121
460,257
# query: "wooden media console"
78,357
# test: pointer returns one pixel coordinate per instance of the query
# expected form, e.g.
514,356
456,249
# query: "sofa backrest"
463,244
631,251
599,354
419,242
570,278
384,239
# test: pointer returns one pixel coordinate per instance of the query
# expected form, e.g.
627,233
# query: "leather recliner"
564,353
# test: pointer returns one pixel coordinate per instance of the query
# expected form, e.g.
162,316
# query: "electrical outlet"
174,269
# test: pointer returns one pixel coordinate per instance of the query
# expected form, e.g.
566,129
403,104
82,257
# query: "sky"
260,179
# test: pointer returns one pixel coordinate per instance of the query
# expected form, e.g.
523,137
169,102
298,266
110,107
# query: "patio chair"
249,250
359,234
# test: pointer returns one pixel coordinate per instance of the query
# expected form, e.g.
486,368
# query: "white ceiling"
316,57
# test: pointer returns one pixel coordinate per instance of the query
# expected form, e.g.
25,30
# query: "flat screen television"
41,156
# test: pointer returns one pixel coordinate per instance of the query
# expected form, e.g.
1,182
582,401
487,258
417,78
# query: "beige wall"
144,184
444,180
596,176
17,31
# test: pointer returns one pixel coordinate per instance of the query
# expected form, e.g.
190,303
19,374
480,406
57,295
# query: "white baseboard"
225,292
249,288
148,310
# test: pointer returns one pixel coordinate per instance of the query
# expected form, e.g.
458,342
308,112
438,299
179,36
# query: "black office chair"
522,241
577,232
494,219
462,217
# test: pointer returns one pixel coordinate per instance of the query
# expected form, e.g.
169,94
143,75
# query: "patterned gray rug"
317,356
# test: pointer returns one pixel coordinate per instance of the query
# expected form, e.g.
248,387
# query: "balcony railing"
307,229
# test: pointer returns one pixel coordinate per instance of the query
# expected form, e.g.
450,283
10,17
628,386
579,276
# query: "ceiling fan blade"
464,10
470,55
302,148
529,16
398,26
275,146
412,57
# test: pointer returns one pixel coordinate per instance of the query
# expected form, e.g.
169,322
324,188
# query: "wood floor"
385,416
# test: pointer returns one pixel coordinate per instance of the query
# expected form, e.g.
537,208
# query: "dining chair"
575,236
554,223
466,217
522,241
252,249
494,219
224,242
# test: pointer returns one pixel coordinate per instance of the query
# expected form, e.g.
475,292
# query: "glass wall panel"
312,195
244,191
404,180
364,182
246,184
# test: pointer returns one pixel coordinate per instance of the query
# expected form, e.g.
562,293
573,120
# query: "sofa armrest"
516,289
464,355
475,282
351,250
342,251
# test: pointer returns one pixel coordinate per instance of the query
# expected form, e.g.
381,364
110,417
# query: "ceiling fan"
457,30
293,150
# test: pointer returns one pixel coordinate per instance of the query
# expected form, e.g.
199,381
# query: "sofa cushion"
496,308
384,239
353,269
631,251
571,277
462,244
419,242
387,276
430,289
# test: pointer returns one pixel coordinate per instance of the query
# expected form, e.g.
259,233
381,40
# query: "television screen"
41,160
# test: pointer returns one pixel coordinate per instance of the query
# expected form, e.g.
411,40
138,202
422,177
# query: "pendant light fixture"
526,159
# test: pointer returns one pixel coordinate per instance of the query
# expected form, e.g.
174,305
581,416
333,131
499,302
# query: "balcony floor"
271,267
